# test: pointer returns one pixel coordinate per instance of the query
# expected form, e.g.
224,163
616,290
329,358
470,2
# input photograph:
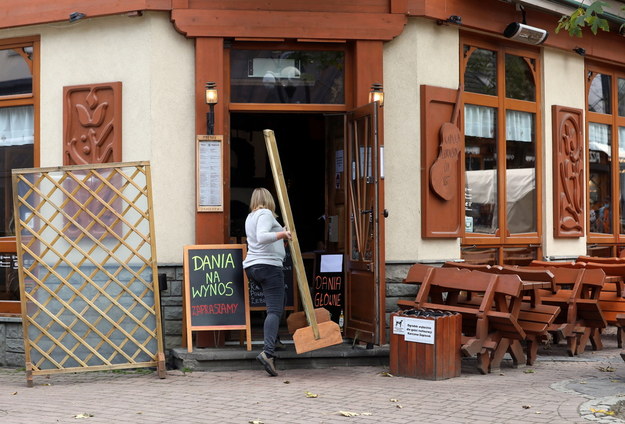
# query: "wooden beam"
323,25
16,13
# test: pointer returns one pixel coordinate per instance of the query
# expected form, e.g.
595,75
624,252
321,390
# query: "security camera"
525,33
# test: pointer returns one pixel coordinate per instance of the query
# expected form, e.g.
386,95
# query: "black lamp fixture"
525,33
453,19
211,101
76,16
580,51
376,94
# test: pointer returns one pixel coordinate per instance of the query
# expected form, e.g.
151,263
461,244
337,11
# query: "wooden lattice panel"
87,266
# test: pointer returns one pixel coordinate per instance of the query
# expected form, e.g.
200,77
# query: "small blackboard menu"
257,298
216,291
327,285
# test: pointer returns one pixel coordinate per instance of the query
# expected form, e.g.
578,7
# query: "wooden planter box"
431,361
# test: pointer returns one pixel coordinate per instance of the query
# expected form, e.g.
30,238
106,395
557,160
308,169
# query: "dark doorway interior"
301,145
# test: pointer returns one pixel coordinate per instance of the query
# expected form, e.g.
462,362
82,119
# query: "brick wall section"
171,307
395,290
12,343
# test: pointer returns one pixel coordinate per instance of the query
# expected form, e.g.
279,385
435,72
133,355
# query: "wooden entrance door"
364,259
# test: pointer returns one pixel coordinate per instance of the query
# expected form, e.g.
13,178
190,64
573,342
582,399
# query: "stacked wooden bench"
481,298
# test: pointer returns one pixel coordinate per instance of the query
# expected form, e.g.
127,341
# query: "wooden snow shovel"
316,335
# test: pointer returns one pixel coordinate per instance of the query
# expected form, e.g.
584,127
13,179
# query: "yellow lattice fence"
87,267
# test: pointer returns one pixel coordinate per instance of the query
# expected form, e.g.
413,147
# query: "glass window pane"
16,151
15,75
519,79
600,178
280,76
481,169
621,97
520,172
621,177
600,94
480,75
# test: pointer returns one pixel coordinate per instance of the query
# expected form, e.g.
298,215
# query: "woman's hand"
285,235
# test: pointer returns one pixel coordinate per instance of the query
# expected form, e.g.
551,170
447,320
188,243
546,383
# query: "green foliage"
584,17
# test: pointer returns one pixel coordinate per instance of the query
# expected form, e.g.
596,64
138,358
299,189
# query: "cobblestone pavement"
556,389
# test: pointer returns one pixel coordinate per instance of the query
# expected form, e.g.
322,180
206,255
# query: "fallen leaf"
14,393
606,369
311,395
386,374
399,406
256,422
394,400
286,382
83,415
529,371
349,414
614,381
582,382
601,411
538,412
527,406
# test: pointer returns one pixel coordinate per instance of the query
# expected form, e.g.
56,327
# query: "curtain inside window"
519,126
599,137
479,121
17,126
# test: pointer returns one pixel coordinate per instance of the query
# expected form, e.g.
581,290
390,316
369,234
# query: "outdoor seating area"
515,309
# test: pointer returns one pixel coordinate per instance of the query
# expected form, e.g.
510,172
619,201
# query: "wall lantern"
211,101
376,94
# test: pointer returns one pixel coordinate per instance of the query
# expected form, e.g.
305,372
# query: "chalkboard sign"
328,284
257,297
216,290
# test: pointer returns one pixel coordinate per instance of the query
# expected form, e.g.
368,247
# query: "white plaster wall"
425,53
156,67
563,84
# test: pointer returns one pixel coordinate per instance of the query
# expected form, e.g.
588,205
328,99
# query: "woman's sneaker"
267,363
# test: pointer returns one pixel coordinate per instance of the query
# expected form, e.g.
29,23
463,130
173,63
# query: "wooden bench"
580,316
612,298
484,324
534,317
601,260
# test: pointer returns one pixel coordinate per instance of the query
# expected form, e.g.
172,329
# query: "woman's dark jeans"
271,279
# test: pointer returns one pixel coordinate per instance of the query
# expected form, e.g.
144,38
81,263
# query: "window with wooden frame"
19,65
605,116
502,158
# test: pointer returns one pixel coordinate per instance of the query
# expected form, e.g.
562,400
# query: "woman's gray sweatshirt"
263,246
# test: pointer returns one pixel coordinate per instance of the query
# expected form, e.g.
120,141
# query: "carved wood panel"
92,128
92,123
441,214
568,172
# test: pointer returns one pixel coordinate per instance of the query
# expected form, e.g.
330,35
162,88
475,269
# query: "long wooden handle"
285,207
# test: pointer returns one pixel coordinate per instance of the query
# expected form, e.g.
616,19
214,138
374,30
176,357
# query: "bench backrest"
601,260
609,269
508,284
454,280
417,273
464,265
554,264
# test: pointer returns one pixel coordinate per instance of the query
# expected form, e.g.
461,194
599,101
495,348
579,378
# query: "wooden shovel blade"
329,335
298,319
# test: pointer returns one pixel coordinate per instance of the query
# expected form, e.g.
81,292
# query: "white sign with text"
419,330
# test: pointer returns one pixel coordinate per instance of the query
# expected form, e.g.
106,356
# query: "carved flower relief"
571,175
87,147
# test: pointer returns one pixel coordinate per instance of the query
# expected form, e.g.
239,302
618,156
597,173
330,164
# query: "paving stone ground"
557,389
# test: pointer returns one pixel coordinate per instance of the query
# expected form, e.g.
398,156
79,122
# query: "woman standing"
263,264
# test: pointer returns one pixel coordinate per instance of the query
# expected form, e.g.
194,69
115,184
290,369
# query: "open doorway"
308,144
301,144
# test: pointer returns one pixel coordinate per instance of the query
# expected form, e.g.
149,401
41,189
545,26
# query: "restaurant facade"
485,147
